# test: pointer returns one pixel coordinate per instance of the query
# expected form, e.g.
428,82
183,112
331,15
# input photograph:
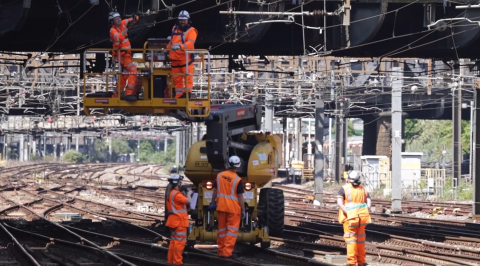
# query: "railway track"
310,233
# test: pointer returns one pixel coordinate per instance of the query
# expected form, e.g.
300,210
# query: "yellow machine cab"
154,84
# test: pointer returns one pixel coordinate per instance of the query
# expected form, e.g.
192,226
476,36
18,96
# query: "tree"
412,130
146,151
73,156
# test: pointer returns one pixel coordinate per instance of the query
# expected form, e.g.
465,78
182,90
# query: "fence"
424,183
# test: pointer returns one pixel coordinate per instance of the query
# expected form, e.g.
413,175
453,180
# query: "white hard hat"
234,161
354,177
113,15
174,178
184,15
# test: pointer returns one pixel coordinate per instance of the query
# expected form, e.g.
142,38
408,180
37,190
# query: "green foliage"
431,136
350,128
412,130
464,191
73,157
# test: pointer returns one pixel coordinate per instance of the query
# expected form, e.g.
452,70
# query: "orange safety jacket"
186,40
120,38
227,197
356,203
177,210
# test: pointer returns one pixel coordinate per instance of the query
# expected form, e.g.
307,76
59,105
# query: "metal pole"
397,84
21,141
472,145
268,119
44,146
457,127
76,143
110,149
339,142
475,178
177,144
319,118
138,149
165,145
307,13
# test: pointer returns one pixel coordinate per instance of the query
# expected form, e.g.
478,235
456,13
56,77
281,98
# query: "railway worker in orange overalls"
177,219
354,202
119,37
183,37
230,207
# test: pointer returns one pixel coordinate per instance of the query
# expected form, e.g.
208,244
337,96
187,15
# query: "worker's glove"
130,24
189,193
212,206
169,38
176,47
243,214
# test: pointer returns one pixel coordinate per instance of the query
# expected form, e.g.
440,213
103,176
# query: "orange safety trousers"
129,80
228,224
179,67
354,235
177,245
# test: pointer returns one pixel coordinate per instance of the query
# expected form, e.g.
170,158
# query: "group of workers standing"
353,201
183,37
227,200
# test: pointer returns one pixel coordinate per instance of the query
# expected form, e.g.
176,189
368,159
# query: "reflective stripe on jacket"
227,198
356,203
177,210
185,39
119,37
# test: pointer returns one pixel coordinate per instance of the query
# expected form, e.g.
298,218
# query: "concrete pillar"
396,136
319,122
21,150
339,147
76,143
369,136
165,145
457,128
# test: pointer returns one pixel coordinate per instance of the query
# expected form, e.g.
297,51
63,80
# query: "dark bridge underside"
36,26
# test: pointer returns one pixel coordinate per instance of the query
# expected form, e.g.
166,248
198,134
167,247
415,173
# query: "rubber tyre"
271,210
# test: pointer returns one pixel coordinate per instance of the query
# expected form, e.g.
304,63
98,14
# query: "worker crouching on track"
183,37
230,207
177,219
119,37
354,202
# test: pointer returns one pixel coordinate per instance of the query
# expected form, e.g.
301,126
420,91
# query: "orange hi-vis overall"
354,223
186,40
228,211
120,41
178,224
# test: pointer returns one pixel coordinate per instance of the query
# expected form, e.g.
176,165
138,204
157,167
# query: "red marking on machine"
170,101
272,170
199,103
104,101
240,113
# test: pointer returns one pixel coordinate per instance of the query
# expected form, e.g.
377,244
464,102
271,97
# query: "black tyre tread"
271,210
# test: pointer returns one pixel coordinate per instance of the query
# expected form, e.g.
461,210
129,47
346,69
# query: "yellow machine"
230,132
154,83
